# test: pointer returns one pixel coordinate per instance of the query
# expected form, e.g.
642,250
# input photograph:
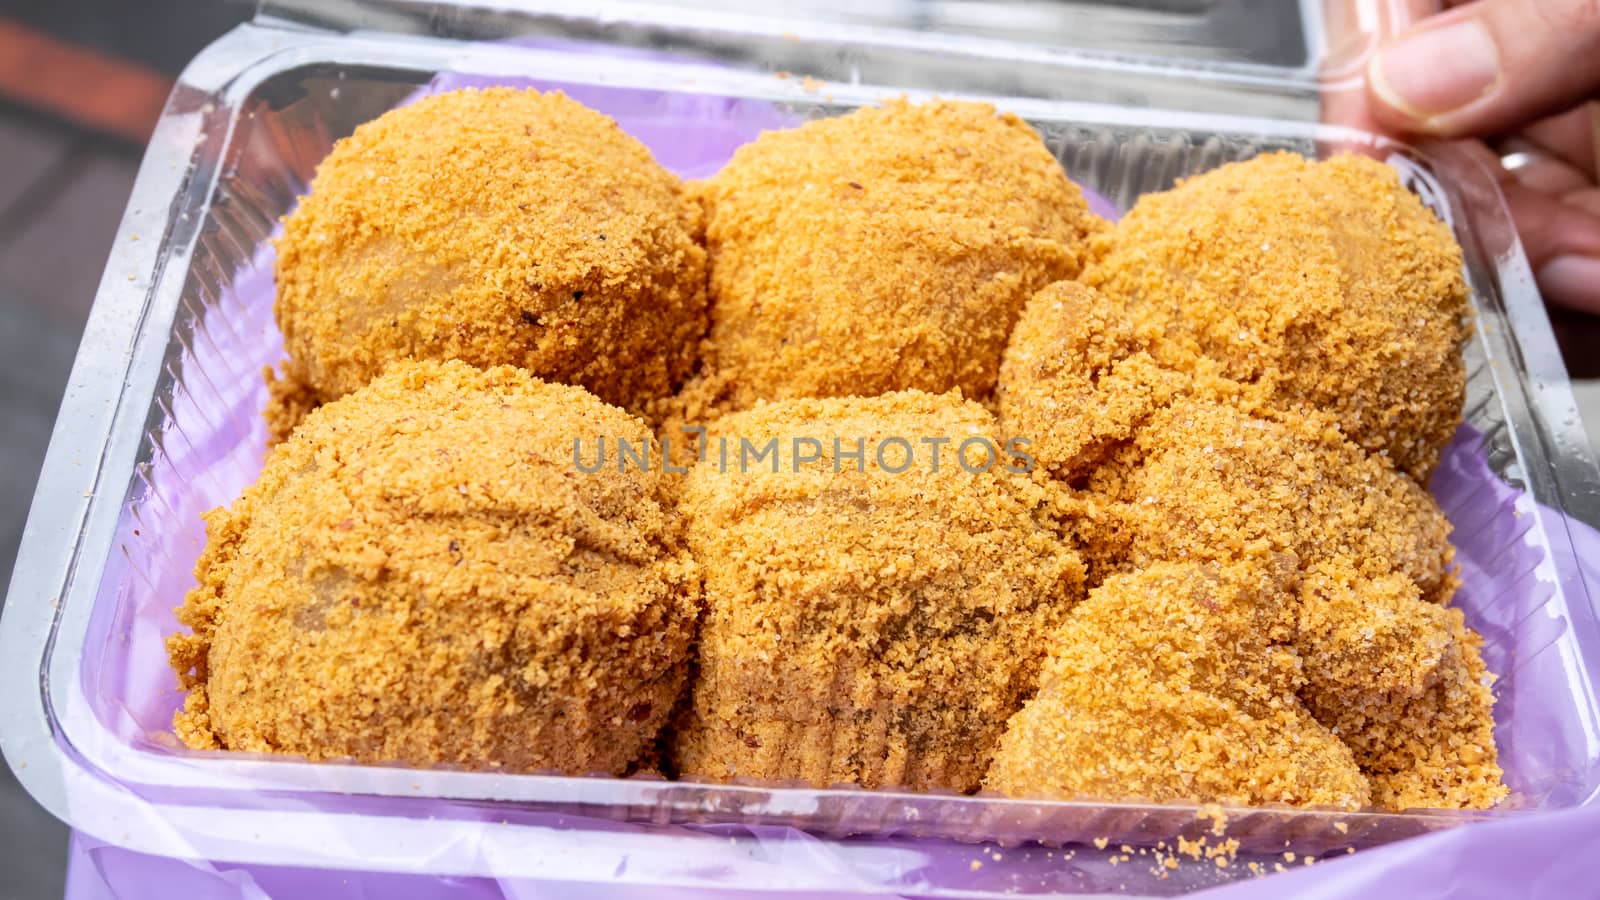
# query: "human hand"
1521,76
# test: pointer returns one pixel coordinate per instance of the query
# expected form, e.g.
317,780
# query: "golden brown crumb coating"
1206,481
1389,667
1434,749
1326,283
863,626
496,227
1366,635
1178,683
421,574
1076,381
289,401
884,250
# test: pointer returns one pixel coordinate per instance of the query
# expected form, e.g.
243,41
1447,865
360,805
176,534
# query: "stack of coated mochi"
1218,576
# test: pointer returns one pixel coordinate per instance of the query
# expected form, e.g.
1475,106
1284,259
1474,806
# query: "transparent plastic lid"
1283,58
1281,34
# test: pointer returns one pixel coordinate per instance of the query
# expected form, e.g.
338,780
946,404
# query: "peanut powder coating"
1328,284
1156,466
1203,481
887,249
1077,380
1427,744
421,575
496,227
986,493
1178,682
863,626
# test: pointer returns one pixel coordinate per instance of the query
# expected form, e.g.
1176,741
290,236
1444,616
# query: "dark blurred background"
81,85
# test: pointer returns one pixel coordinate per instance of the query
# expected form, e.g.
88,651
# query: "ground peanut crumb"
929,645
495,226
1325,284
417,577
1225,851
887,249
1215,714
1219,819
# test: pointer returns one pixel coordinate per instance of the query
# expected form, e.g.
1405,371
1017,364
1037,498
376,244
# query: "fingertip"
1572,281
1386,104
1420,81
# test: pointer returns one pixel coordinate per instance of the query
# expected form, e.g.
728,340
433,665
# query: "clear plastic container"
161,422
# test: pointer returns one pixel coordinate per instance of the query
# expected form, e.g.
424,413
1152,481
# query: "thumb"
1487,67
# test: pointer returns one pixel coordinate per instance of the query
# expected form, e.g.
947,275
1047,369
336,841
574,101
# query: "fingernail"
1437,70
1572,281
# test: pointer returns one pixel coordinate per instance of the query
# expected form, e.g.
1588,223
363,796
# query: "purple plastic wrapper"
211,444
